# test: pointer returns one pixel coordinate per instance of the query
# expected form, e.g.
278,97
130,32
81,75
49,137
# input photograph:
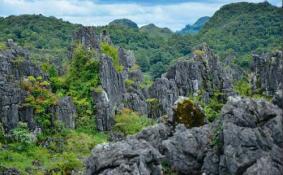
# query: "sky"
174,14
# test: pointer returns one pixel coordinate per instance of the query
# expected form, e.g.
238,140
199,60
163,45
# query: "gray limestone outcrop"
15,64
247,139
66,112
267,71
104,110
200,75
127,157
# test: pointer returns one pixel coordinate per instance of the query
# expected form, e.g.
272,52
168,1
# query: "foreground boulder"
127,157
252,135
186,149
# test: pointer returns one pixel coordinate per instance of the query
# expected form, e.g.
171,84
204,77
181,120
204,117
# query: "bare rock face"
87,37
104,111
66,112
15,64
252,134
202,74
127,157
186,149
166,93
278,99
267,72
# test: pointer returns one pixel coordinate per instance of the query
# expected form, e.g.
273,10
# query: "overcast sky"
174,14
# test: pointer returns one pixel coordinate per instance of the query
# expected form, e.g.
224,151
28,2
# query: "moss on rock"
188,113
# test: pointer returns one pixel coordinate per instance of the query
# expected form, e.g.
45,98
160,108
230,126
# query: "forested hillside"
242,28
232,30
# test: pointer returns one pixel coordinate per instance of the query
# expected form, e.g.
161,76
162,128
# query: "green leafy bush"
80,82
22,134
243,88
112,52
129,82
40,99
129,122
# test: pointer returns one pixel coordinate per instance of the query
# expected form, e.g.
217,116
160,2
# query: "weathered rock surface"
14,65
187,148
278,99
104,111
267,72
127,157
200,75
66,112
252,134
166,93
87,37
247,139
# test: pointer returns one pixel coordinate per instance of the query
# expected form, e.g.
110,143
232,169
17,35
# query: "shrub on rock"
188,113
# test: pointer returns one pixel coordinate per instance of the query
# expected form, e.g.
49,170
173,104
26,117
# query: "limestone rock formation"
247,139
66,112
200,75
127,157
104,111
186,149
252,134
14,64
87,37
166,93
267,72
278,99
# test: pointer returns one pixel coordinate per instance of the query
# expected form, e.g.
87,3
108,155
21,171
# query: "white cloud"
87,12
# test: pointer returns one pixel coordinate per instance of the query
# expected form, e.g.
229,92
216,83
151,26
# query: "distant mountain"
242,28
124,23
195,28
155,31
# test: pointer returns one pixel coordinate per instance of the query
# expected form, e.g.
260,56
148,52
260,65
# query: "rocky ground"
247,139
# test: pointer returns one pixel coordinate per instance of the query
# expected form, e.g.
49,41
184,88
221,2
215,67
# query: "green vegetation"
47,37
31,154
244,88
195,28
231,30
167,169
124,23
213,107
156,32
234,28
216,141
40,99
129,82
129,122
2,46
112,52
63,153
